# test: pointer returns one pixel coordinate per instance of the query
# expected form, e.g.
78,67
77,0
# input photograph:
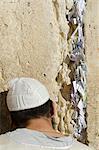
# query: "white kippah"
26,93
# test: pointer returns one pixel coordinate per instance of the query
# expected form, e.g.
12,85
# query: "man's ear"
53,109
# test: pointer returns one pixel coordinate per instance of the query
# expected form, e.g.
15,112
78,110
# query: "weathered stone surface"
92,54
32,35
33,38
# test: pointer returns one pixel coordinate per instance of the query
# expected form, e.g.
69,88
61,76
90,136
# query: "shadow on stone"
5,119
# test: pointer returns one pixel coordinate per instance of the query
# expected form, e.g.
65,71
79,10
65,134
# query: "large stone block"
92,54
33,38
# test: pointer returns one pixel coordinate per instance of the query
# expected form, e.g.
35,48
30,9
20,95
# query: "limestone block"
92,53
33,41
30,42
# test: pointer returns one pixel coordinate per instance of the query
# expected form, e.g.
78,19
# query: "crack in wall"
61,121
73,71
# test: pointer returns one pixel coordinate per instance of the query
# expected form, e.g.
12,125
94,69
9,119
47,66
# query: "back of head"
27,99
21,118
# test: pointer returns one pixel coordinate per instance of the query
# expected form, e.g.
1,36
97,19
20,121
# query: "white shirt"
25,139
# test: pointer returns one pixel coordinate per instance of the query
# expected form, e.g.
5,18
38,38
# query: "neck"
40,124
43,125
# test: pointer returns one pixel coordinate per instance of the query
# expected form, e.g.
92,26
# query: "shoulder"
7,144
79,146
4,139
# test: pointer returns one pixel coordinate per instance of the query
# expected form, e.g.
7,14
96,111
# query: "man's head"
28,99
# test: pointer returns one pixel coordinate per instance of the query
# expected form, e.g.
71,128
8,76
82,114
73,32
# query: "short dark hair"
21,118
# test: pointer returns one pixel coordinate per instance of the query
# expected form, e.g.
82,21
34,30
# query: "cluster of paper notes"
77,57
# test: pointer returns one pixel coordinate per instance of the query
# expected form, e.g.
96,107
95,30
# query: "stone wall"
33,42
92,54
30,41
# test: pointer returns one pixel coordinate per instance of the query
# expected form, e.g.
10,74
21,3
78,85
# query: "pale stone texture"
92,54
33,41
